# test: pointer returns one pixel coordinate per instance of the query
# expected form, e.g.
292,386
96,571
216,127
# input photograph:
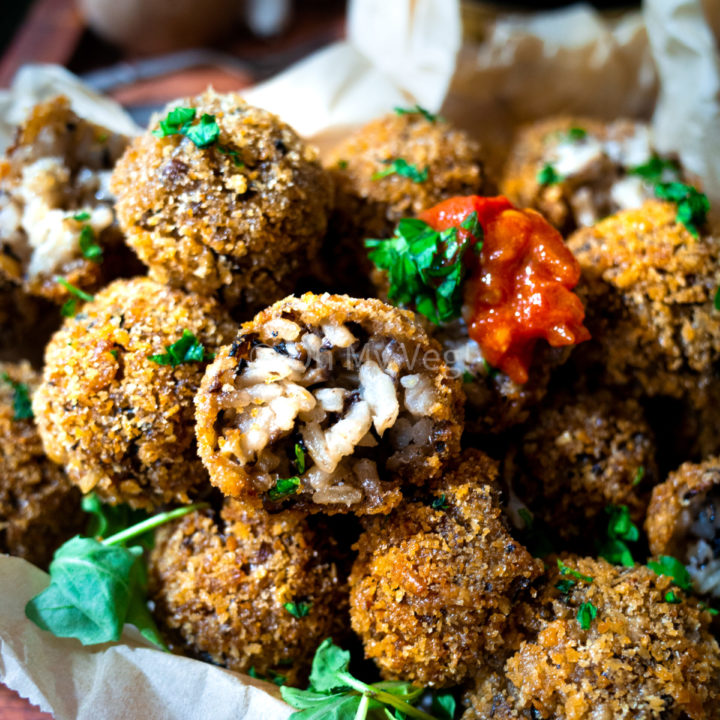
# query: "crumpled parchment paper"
510,69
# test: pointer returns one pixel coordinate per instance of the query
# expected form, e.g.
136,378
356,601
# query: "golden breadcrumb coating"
39,508
434,581
121,423
648,287
240,217
53,188
641,657
220,583
582,453
354,386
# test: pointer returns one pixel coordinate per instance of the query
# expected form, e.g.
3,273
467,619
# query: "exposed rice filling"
351,406
703,542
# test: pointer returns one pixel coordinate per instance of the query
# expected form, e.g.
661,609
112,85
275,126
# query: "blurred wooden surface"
13,707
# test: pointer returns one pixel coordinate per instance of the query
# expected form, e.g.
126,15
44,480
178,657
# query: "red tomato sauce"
520,285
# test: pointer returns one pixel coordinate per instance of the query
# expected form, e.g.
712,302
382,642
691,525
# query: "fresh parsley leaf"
188,349
175,122
672,597
586,613
439,503
670,566
467,377
548,176
565,570
342,164
417,110
657,169
22,405
402,167
205,133
425,267
620,531
692,205
639,475
565,585
574,134
233,154
69,308
88,247
298,609
98,586
284,488
299,458
81,216
709,609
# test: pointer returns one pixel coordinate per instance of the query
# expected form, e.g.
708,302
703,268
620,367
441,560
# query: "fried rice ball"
648,287
240,217
370,199
39,508
434,581
581,454
245,589
120,421
328,403
576,171
56,208
684,521
639,657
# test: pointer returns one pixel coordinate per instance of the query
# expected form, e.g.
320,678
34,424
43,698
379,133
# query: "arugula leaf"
621,530
586,613
329,660
400,166
298,609
670,566
106,520
425,267
22,405
284,488
548,176
96,587
417,110
88,247
188,349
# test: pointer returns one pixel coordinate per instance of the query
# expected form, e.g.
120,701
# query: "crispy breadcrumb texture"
54,189
220,583
354,385
435,581
241,217
648,287
582,453
640,657
120,423
39,508
368,206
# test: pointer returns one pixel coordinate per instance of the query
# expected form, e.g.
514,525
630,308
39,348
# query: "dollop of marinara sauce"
519,288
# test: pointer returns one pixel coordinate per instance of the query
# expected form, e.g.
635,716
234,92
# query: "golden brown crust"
122,424
648,286
56,169
641,658
39,508
220,585
202,221
432,587
581,454
372,319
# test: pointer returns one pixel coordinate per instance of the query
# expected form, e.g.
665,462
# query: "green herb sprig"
672,567
272,676
285,487
335,694
586,613
97,586
88,246
425,267
621,530
22,405
188,349
418,110
566,584
400,166
548,175
298,609
69,307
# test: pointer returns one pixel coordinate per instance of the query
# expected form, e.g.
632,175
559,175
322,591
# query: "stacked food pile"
443,445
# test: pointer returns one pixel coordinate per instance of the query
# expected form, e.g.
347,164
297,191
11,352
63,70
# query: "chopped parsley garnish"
621,530
298,609
425,267
342,164
709,609
657,169
88,247
439,503
672,597
188,349
586,613
335,693
565,570
233,154
692,205
115,354
272,676
417,110
203,133
22,406
639,475
176,122
402,167
299,458
670,566
565,585
70,306
81,216
548,176
574,134
467,377
284,487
